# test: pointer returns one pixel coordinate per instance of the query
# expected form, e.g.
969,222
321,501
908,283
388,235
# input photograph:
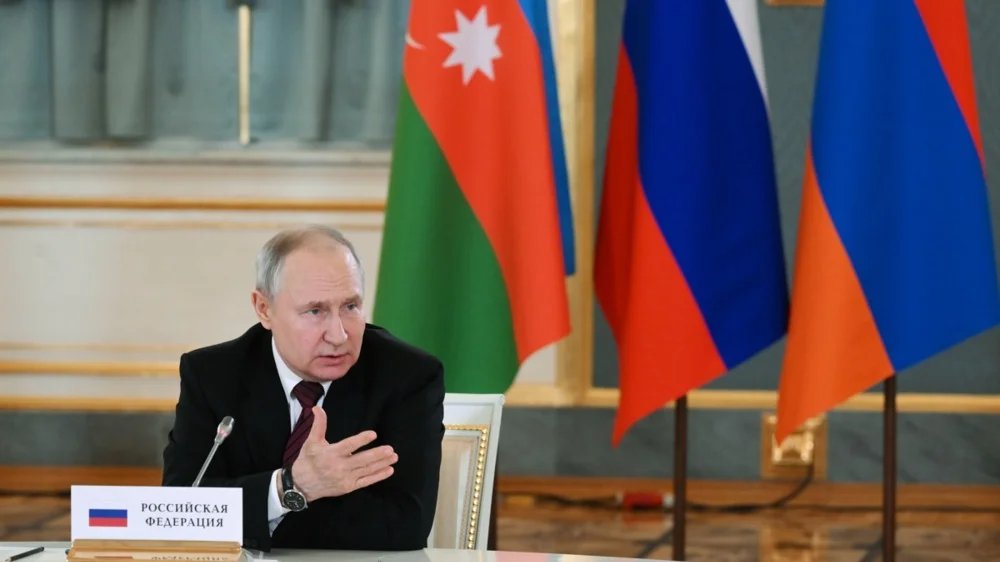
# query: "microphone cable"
616,503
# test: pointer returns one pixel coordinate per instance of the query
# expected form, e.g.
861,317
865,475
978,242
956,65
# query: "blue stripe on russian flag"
707,167
109,513
902,179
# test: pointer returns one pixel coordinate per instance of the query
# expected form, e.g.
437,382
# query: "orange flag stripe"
834,348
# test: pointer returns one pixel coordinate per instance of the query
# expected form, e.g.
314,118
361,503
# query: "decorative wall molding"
92,346
527,395
116,405
151,223
913,402
91,368
59,478
187,153
194,204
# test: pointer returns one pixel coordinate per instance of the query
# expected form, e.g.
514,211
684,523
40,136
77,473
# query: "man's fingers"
374,465
353,443
318,430
371,456
373,478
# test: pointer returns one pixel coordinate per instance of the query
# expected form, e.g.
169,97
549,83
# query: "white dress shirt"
275,511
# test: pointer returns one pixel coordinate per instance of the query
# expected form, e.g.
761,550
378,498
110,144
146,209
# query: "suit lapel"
265,409
345,405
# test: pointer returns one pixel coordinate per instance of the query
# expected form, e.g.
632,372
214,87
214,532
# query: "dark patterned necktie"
307,393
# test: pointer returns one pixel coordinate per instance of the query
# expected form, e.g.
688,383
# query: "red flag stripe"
945,24
664,346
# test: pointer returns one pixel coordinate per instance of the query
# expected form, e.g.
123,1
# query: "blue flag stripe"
109,513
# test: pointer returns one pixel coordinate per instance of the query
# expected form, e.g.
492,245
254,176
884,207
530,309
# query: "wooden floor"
827,522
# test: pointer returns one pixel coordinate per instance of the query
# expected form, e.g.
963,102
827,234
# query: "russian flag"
109,518
689,266
895,258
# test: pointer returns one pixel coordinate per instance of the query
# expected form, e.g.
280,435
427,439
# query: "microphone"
221,432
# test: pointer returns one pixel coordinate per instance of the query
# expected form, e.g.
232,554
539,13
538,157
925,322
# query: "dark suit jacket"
394,389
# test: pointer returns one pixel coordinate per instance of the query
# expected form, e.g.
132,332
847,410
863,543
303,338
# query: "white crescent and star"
473,45
410,41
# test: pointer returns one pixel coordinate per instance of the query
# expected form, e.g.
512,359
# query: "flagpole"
889,471
680,476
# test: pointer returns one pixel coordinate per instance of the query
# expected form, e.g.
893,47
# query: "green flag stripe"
439,284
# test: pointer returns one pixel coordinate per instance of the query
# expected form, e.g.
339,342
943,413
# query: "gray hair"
271,256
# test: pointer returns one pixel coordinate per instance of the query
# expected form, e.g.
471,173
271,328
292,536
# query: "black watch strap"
287,483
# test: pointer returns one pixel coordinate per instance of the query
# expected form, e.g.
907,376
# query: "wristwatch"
291,498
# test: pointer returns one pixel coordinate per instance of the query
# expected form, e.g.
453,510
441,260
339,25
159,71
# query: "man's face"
315,315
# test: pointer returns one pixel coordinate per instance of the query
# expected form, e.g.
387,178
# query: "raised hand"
333,469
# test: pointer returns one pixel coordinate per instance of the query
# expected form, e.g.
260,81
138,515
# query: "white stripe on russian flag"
744,13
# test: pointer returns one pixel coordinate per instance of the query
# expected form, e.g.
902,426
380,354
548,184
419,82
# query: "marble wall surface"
723,445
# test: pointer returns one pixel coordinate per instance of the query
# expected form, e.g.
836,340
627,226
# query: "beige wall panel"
126,286
210,179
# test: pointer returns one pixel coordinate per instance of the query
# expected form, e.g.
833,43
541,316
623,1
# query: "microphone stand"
221,432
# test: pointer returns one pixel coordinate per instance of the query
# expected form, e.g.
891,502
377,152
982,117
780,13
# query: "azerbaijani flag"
472,266
895,252
689,267
108,517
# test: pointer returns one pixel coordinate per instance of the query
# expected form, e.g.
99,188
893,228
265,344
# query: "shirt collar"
288,377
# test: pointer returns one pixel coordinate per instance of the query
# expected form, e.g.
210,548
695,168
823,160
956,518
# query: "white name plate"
155,513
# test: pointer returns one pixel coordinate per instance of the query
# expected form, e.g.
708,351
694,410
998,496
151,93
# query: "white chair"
468,464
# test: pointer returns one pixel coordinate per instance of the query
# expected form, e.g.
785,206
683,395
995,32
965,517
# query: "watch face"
294,500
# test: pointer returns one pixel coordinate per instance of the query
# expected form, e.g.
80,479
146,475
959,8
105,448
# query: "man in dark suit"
336,445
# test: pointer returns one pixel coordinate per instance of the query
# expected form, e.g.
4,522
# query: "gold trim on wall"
94,346
575,65
92,368
539,395
546,396
117,405
913,402
149,224
194,204
553,395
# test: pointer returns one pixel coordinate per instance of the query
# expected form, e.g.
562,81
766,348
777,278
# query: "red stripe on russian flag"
664,345
109,522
